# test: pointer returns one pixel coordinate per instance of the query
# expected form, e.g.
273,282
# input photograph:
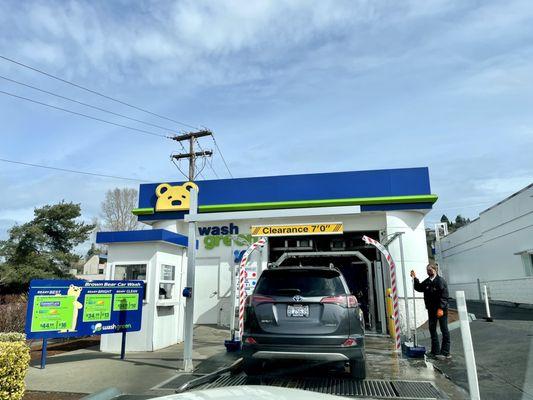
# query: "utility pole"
192,155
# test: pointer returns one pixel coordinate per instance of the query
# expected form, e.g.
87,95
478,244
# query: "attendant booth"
380,204
159,258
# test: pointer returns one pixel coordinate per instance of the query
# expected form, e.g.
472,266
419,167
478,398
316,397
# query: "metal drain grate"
414,389
337,386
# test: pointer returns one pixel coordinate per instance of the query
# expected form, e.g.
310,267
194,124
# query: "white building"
495,249
94,267
373,203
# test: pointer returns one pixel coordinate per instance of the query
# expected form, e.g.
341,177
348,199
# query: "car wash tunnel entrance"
360,264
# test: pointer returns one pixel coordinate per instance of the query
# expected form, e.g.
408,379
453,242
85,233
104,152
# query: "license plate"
298,310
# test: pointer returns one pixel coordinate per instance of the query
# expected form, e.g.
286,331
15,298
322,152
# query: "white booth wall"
162,319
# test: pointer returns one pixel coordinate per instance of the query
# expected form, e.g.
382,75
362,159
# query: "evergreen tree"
42,248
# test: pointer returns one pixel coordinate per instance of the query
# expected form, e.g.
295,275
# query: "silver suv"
303,313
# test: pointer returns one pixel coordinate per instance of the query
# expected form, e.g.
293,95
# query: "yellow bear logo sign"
174,198
75,292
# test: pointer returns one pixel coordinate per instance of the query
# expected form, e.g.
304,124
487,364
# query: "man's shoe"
430,355
444,357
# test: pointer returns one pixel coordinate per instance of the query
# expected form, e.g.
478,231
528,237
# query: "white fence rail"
513,290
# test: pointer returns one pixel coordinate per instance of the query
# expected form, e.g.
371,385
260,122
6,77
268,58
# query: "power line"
141,131
100,109
95,92
85,104
72,170
210,162
221,155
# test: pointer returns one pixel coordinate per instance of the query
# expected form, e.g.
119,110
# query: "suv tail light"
341,300
349,342
258,299
352,301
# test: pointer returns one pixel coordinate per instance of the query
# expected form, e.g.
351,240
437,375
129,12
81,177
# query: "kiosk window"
131,272
167,281
167,272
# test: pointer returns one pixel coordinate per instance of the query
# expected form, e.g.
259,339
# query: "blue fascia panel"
160,216
336,185
148,235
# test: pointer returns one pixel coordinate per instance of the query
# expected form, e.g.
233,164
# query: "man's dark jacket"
435,292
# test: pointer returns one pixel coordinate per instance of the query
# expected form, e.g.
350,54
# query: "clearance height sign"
328,228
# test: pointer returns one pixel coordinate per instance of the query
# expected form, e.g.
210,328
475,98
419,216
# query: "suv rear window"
305,282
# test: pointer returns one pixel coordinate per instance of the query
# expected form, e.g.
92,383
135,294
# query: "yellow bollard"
390,317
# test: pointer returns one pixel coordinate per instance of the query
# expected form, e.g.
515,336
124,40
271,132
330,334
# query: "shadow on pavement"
501,311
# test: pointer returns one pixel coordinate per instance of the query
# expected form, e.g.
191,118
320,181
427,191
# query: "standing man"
435,291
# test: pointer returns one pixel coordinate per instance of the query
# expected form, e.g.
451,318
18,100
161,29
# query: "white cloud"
201,39
503,186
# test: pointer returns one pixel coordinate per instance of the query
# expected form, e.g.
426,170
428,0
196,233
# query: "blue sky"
287,87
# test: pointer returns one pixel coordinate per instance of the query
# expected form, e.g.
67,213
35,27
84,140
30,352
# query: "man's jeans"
443,322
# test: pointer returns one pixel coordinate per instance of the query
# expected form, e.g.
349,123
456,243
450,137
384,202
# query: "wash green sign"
217,235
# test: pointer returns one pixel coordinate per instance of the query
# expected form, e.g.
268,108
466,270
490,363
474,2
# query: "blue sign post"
73,308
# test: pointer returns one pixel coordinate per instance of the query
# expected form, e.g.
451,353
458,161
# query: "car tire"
358,369
252,367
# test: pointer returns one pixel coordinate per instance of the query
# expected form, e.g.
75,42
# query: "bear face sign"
174,198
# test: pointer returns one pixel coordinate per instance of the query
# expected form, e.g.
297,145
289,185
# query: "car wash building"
310,219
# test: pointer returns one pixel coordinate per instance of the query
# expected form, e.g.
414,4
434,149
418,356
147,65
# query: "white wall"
415,258
132,253
488,249
91,266
162,323
170,314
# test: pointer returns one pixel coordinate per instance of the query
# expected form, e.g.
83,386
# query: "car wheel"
358,369
252,367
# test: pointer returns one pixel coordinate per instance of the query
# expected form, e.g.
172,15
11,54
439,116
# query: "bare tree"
116,209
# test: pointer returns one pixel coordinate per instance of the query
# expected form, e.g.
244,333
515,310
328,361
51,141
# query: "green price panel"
52,313
97,307
125,301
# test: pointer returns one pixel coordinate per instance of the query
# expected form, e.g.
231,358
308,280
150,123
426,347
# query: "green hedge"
14,361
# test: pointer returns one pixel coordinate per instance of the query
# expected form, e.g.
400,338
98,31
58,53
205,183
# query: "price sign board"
97,307
71,308
126,302
52,313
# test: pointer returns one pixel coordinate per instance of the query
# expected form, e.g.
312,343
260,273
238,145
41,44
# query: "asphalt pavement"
503,350
148,374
